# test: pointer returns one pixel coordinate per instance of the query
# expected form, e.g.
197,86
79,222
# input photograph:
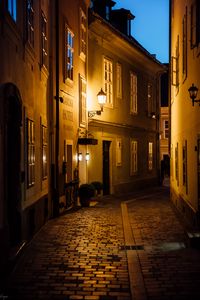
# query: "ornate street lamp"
101,96
193,90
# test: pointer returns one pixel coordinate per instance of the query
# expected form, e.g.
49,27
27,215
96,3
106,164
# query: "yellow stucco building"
185,124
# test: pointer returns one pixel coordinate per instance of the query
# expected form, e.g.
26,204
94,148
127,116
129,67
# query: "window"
175,66
108,81
166,129
30,22
185,166
150,104
119,80
30,153
44,152
44,40
176,165
82,34
184,45
150,156
134,157
12,9
69,54
195,24
118,152
82,101
133,93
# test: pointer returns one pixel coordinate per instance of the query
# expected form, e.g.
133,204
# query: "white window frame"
108,80
133,157
44,46
133,93
44,151
83,35
118,152
30,22
119,80
30,153
82,101
69,54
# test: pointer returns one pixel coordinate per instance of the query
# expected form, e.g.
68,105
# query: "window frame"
108,80
119,80
30,153
118,152
12,9
83,35
30,23
184,45
150,156
44,41
133,157
82,101
133,93
69,50
44,151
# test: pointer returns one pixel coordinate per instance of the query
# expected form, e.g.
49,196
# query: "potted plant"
86,192
98,186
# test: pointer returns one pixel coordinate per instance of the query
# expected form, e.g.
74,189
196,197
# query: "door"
106,167
12,168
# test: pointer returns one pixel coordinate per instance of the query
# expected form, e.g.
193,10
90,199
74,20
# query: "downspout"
56,196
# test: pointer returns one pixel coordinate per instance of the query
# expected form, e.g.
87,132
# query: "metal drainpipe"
56,199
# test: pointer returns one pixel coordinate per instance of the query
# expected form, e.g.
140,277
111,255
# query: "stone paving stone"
76,256
170,270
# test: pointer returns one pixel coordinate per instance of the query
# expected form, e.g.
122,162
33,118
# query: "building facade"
185,126
127,154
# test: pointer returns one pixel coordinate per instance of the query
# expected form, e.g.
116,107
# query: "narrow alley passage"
84,254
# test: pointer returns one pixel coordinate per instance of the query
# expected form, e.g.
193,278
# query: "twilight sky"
150,26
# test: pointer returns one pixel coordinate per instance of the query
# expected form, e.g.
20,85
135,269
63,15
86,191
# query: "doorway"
12,160
106,167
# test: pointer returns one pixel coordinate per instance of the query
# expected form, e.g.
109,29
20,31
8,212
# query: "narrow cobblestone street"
86,254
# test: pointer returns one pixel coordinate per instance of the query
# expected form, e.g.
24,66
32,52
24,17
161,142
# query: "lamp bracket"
92,113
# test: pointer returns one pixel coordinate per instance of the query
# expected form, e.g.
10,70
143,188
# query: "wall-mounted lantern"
87,156
101,96
80,156
193,90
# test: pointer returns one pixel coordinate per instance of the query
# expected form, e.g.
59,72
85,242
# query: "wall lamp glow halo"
101,96
193,91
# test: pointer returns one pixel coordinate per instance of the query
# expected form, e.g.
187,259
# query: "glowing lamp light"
80,156
87,156
101,96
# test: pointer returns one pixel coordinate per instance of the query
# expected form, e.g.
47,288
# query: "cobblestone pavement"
170,269
84,254
77,256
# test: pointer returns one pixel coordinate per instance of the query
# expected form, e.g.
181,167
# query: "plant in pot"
86,192
98,186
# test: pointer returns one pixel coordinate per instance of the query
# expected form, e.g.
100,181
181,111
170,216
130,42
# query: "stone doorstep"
193,239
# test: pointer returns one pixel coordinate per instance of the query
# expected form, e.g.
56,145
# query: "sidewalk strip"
135,275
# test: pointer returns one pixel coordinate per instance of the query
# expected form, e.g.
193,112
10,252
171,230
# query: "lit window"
44,152
150,156
118,152
12,8
134,157
44,40
166,129
30,22
82,34
30,152
119,80
185,166
184,45
176,165
82,101
108,81
133,93
69,54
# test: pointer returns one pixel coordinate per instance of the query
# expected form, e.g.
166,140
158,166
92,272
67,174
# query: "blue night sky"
150,26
